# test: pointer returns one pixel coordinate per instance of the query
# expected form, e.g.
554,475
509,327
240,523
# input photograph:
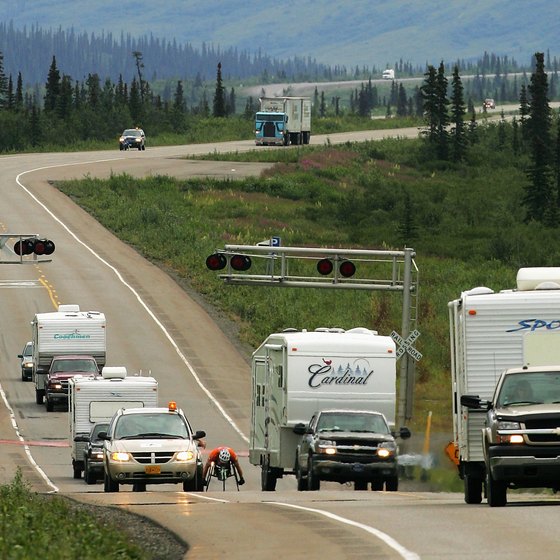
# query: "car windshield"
86,366
352,422
151,425
97,429
28,350
530,388
132,132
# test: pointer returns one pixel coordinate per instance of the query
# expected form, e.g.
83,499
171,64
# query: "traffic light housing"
34,245
346,269
239,263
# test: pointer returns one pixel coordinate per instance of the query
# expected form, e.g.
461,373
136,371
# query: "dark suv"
347,446
26,357
61,370
93,453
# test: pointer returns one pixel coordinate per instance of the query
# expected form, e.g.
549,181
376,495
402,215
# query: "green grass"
468,231
33,525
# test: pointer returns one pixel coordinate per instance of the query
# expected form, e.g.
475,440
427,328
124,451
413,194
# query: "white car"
151,446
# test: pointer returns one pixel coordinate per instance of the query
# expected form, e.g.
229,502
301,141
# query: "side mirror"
103,436
199,434
82,438
475,402
299,429
404,433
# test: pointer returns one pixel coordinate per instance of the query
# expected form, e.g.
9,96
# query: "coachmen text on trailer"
295,374
66,331
499,340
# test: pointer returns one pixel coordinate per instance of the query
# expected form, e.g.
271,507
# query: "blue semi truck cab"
282,121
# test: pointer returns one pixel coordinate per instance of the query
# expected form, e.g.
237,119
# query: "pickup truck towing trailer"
491,334
296,373
66,331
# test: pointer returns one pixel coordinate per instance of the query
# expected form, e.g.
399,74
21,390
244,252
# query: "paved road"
154,326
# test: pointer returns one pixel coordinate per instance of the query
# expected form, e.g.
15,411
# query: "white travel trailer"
491,332
96,399
66,331
295,374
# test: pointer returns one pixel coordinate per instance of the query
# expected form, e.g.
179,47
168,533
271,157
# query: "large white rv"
295,374
491,332
66,331
96,399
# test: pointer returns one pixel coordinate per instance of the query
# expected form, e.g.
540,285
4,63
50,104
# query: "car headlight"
55,386
184,456
121,139
509,438
386,449
27,364
98,455
120,456
326,446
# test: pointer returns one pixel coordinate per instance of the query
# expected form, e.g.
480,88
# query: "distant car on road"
489,104
26,357
132,138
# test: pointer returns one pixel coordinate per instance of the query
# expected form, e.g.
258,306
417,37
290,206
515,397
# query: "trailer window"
280,371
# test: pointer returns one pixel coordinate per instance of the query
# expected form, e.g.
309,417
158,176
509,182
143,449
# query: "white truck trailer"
491,332
297,373
97,398
62,332
283,121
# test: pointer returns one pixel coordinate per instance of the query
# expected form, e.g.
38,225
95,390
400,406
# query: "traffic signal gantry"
27,248
269,264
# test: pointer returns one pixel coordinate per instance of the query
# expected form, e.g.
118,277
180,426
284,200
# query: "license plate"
358,467
152,469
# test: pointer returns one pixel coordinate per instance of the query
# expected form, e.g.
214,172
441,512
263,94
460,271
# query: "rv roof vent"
530,278
322,329
479,290
113,372
361,330
548,286
69,308
290,329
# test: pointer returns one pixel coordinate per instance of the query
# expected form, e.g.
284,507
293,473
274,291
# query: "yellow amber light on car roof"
172,406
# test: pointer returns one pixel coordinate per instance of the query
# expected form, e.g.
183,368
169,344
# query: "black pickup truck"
348,446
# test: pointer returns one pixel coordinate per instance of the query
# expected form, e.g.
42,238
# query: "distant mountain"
357,33
335,32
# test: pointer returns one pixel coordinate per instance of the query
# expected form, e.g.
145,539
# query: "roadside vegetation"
33,525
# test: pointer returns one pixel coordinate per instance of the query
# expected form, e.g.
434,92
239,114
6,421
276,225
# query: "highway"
156,327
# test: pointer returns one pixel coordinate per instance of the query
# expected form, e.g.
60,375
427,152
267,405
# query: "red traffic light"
240,262
347,269
325,266
216,261
33,245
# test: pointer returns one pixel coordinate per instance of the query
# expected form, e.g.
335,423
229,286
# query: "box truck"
297,373
66,331
282,121
494,335
97,398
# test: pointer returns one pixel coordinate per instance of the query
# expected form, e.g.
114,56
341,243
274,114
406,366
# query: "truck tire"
473,489
496,491
39,396
313,481
301,480
109,485
392,484
89,477
377,485
49,405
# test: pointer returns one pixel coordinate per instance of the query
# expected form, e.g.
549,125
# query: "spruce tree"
52,87
458,132
219,106
540,200
3,84
442,114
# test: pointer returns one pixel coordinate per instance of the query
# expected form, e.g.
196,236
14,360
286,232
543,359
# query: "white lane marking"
25,446
388,540
139,299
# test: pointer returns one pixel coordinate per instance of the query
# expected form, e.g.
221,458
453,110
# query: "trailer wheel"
473,489
268,476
